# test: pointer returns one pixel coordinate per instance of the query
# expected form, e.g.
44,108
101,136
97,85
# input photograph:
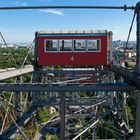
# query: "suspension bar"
69,7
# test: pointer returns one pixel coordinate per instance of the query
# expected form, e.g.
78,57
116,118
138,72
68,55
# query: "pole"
16,99
21,100
62,115
137,133
110,47
137,125
69,7
137,10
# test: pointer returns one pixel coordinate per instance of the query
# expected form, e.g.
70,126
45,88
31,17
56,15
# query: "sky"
21,25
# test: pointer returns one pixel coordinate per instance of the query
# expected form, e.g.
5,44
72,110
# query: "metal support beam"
66,88
15,72
111,46
137,125
62,115
6,114
21,100
103,101
100,117
137,10
9,132
74,71
137,69
130,76
35,53
16,99
68,7
15,123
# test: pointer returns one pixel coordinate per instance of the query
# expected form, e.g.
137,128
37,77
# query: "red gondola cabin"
86,48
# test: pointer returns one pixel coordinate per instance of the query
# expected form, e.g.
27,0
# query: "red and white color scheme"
86,48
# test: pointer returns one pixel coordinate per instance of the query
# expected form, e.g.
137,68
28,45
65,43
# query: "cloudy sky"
20,25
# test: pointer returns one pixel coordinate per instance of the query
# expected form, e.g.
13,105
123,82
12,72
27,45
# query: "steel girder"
73,71
133,77
67,88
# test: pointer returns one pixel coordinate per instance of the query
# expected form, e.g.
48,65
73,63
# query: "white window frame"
94,50
64,46
82,50
45,40
72,47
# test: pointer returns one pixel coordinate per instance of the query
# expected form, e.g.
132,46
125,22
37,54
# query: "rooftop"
95,32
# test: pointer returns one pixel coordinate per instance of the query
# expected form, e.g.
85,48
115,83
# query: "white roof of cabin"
73,31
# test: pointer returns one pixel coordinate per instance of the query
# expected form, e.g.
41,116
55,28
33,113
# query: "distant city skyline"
21,25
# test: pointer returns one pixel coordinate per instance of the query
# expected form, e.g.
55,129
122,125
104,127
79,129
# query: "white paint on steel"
15,72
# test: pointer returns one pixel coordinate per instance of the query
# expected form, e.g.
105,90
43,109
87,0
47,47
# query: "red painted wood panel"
72,58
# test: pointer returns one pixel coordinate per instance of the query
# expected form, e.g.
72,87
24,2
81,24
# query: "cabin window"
51,45
65,45
79,45
93,45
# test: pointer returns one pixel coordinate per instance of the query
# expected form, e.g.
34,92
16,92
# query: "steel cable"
25,59
8,49
130,29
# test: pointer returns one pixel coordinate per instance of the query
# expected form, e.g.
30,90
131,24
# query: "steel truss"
69,101
67,97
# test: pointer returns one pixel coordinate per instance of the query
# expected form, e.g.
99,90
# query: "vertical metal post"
137,125
21,102
15,103
33,97
137,10
62,115
16,99
36,52
110,47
